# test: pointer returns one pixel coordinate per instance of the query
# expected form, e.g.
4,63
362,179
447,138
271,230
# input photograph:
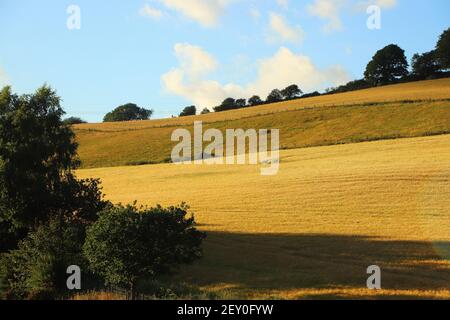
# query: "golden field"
312,230
397,111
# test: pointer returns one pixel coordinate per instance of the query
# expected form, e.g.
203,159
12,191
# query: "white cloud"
205,12
255,14
283,3
281,30
386,4
383,4
150,12
190,80
194,60
285,68
328,10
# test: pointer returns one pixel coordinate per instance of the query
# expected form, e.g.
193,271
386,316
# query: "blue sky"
166,54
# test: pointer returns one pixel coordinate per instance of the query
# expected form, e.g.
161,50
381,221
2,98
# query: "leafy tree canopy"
443,49
291,92
128,112
37,157
387,65
189,111
227,104
205,111
425,65
255,100
274,96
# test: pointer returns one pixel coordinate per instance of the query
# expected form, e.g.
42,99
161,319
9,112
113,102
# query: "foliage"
310,95
291,92
274,96
240,103
128,112
37,268
350,86
443,49
73,120
425,65
387,65
255,101
189,111
205,111
37,156
230,104
128,244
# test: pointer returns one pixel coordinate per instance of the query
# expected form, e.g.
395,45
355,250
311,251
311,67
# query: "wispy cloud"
150,12
281,30
283,3
328,10
206,13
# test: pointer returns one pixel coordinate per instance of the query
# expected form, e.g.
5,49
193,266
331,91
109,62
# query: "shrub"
37,268
128,244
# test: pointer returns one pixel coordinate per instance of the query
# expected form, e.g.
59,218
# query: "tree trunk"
132,291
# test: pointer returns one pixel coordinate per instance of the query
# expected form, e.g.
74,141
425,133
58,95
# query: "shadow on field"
254,262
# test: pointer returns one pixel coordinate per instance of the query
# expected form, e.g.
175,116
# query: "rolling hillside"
312,230
397,111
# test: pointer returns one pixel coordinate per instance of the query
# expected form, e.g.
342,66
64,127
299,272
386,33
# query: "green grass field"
334,208
302,123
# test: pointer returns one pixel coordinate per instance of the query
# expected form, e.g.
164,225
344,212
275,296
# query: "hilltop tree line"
388,66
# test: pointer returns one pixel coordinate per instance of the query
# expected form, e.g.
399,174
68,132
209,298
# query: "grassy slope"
312,230
405,110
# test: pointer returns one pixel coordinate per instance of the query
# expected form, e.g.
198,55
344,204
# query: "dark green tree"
443,49
254,101
425,65
274,96
128,112
128,244
227,104
188,111
205,111
37,159
73,120
241,103
387,65
291,92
